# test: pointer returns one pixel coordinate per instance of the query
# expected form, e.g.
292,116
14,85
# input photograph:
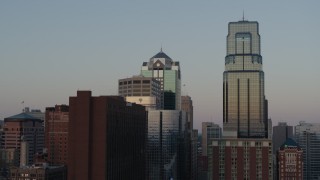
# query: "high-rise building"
56,134
165,138
187,106
210,130
23,129
307,135
281,133
194,156
107,138
244,103
245,149
191,140
289,161
164,69
141,90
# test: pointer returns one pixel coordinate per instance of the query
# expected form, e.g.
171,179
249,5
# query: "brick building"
290,161
107,138
240,159
56,134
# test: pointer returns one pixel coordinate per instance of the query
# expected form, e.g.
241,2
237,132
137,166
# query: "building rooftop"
289,143
161,55
21,116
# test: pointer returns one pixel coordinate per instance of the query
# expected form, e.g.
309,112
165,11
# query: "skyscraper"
244,103
167,71
165,131
281,133
106,138
307,135
187,106
56,134
23,128
141,90
245,151
210,131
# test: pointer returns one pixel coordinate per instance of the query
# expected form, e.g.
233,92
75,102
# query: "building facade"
164,144
240,159
141,90
56,134
244,103
289,161
191,139
245,149
26,129
41,172
167,72
281,133
107,138
210,130
307,135
187,106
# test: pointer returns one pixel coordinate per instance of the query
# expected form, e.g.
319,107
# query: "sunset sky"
51,49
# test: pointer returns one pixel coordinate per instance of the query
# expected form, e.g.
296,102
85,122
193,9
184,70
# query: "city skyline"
101,42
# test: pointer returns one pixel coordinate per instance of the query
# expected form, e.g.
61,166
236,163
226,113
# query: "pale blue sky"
50,49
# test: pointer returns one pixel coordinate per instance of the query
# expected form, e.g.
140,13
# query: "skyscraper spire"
242,15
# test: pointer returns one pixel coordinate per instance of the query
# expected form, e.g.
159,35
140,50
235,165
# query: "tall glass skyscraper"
307,135
244,103
167,71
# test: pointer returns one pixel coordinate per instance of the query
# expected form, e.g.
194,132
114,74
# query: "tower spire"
161,48
242,15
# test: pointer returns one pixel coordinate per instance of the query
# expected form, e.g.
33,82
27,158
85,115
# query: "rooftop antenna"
242,15
161,48
243,19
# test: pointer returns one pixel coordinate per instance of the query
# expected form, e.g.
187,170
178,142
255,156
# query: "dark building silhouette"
281,133
107,138
56,134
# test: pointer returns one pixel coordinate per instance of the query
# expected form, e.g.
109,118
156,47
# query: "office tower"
194,155
191,139
141,90
210,130
165,132
245,150
244,103
167,71
187,106
240,159
307,135
26,129
106,138
281,133
289,161
56,134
